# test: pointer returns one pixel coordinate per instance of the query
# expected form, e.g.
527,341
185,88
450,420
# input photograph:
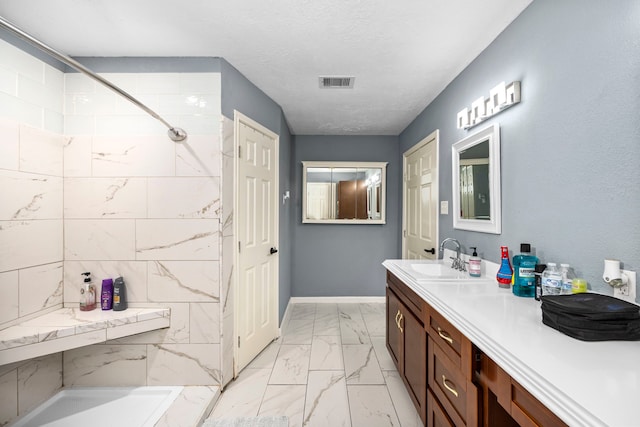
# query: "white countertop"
68,328
583,383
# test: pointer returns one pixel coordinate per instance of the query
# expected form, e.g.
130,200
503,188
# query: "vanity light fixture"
500,98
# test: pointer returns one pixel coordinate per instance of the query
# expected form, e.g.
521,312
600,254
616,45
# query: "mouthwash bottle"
505,272
524,264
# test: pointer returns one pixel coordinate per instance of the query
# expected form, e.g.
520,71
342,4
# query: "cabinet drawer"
455,345
410,299
457,395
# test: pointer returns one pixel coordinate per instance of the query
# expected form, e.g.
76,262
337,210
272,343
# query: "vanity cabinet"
407,340
452,382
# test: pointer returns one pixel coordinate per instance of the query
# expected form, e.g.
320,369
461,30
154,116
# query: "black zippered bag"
592,317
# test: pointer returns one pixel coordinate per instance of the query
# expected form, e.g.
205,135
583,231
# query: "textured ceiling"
403,53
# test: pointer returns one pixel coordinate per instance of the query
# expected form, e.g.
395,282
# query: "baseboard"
285,318
334,300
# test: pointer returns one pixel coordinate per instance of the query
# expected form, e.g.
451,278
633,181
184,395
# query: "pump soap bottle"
87,294
475,263
119,295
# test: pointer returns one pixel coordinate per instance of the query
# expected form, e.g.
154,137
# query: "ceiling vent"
336,82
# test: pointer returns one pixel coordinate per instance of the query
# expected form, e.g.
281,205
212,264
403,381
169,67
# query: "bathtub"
102,407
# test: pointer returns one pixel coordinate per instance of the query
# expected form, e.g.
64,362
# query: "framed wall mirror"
344,192
476,182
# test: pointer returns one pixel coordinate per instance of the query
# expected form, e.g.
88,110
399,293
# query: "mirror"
343,192
476,182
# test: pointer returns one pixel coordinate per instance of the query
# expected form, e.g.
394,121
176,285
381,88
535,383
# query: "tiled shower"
90,183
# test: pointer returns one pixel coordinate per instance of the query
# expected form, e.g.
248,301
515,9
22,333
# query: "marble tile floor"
330,368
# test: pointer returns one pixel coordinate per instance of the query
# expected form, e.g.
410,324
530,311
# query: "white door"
257,232
319,202
420,200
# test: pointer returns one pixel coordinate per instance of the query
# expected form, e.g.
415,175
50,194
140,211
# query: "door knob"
431,251
272,251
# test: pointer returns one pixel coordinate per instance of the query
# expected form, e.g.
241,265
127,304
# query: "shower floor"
103,407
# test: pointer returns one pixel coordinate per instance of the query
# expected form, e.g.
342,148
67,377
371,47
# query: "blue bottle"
524,280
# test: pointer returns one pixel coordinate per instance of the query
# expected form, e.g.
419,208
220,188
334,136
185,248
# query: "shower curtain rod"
175,133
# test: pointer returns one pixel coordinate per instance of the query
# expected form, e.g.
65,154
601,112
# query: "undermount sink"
424,271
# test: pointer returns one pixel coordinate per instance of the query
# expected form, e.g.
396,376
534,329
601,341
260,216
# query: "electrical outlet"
628,291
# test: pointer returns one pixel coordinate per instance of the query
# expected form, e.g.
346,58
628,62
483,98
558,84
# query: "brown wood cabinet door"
352,199
415,359
394,336
436,417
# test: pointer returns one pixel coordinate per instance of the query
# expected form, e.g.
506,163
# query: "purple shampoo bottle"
106,294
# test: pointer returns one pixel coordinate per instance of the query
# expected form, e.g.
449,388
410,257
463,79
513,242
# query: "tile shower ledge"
68,328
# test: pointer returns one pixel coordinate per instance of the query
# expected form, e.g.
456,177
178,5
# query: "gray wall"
570,150
238,93
344,260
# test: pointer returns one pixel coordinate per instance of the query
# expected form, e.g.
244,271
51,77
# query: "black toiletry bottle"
119,295
539,268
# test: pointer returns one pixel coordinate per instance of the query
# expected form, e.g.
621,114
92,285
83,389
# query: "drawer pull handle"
400,323
445,336
448,387
398,319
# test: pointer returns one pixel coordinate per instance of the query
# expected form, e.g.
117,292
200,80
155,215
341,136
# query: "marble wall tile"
21,62
41,151
134,274
105,239
9,144
199,155
227,309
28,196
106,366
292,365
242,398
40,288
17,248
177,333
9,393
361,365
326,404
184,281
86,198
183,364
190,408
284,400
21,110
77,156
9,294
405,409
371,406
179,239
118,156
38,380
204,323
184,197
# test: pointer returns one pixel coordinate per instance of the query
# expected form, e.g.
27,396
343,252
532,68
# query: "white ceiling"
403,53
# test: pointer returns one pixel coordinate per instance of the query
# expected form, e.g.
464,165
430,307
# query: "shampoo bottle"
475,264
106,294
119,295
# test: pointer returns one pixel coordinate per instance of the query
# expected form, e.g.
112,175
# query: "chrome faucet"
457,263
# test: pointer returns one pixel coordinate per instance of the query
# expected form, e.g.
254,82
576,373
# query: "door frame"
239,118
435,135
